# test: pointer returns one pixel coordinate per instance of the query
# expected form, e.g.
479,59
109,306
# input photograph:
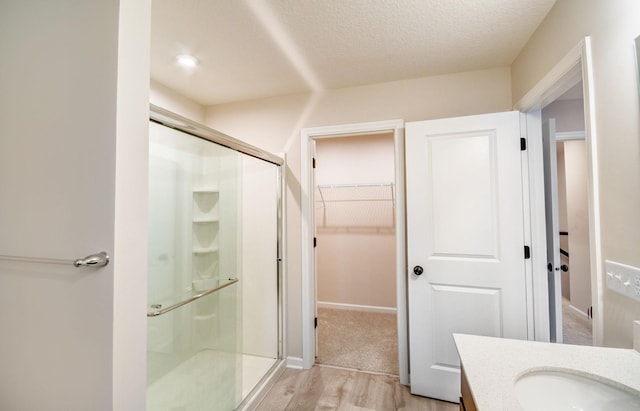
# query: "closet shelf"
335,193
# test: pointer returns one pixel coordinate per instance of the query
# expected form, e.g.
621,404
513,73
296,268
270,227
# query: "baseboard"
354,307
581,313
295,363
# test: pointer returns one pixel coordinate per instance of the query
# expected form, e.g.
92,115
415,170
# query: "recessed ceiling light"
187,60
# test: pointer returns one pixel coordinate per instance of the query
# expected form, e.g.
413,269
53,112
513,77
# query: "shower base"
253,369
202,382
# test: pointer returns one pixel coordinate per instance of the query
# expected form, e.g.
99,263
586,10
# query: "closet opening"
355,252
365,186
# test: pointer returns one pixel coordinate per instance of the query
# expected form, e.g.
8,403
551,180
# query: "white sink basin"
561,390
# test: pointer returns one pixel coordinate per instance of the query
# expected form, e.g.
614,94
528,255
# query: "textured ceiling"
252,49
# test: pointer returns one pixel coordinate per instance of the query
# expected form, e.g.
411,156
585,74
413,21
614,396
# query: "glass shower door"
193,361
214,313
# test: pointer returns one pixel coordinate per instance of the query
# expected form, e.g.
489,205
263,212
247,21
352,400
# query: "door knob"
564,267
417,270
99,260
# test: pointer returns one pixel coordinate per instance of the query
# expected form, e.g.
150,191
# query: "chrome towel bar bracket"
99,260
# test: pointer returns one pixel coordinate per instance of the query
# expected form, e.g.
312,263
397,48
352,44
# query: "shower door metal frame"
172,120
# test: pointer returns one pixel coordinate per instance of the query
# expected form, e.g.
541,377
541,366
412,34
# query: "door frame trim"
577,62
308,135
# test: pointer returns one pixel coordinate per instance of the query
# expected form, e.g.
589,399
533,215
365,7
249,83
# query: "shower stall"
214,326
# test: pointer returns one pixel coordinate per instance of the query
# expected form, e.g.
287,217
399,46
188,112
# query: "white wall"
613,26
74,81
132,142
355,255
274,124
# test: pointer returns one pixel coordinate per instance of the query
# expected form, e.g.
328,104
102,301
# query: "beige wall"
569,115
612,25
355,256
168,99
274,124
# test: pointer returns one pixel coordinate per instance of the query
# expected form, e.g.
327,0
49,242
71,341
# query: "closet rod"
386,196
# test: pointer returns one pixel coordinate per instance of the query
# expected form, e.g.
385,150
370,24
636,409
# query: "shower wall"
259,263
187,217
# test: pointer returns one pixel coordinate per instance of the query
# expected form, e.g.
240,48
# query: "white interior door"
465,241
553,229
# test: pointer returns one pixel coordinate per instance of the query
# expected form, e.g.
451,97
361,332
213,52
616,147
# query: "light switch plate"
623,279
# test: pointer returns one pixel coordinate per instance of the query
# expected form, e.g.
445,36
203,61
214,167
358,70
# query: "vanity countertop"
492,365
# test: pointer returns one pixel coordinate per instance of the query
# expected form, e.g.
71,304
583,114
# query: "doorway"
568,267
574,67
309,137
355,253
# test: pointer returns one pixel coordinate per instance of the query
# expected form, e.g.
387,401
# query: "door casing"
564,75
308,135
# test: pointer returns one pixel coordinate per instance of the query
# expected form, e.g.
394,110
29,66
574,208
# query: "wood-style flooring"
328,388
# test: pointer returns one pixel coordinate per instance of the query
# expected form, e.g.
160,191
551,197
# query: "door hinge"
315,322
315,242
590,311
313,163
527,252
523,144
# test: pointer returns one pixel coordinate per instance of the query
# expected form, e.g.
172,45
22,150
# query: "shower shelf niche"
205,250
206,190
205,220
205,229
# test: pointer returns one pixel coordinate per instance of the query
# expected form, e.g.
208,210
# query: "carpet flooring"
358,340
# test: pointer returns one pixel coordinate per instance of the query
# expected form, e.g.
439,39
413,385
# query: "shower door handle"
99,260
